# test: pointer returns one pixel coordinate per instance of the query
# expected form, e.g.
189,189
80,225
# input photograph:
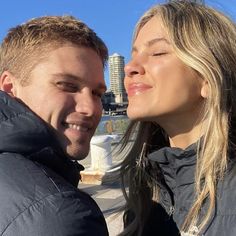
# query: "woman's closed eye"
157,54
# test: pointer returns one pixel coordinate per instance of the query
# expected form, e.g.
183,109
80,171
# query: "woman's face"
160,86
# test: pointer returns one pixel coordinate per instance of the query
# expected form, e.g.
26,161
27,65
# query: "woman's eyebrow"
157,40
151,42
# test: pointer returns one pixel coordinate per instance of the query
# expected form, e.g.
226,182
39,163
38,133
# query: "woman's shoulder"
226,191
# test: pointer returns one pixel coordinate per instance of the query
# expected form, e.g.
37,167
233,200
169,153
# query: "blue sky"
113,20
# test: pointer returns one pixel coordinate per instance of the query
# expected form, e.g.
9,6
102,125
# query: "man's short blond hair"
26,44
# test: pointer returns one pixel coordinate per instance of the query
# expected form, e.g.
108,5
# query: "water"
112,125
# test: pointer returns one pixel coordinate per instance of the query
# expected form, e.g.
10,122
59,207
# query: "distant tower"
116,74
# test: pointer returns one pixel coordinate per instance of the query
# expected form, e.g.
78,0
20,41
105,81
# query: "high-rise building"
116,73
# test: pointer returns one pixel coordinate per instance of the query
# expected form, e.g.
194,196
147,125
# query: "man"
51,77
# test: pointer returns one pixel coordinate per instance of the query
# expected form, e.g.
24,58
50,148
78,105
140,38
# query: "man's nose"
86,104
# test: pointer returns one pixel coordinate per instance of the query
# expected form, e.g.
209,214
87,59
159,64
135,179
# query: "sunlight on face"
160,86
66,89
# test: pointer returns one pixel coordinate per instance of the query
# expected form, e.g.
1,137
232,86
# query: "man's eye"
68,87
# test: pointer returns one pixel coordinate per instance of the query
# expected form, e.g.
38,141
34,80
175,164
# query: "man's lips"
137,88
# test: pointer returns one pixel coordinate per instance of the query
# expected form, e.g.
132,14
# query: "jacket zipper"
171,210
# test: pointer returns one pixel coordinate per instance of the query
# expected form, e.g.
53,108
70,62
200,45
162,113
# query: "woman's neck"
183,133
184,140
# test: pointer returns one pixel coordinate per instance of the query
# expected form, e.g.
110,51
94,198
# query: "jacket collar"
177,165
63,166
23,132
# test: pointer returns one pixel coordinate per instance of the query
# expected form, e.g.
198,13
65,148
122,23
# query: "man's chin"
77,154
75,150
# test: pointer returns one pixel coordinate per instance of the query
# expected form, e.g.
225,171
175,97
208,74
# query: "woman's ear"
205,89
7,82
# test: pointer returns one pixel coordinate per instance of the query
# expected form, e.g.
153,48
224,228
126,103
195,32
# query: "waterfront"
112,125
108,195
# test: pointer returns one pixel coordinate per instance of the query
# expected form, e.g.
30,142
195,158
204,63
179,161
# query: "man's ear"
7,82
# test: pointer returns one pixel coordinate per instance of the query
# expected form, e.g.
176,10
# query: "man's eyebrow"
77,79
152,42
67,76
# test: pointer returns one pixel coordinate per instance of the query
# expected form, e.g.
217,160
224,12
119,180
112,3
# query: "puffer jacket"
38,184
177,194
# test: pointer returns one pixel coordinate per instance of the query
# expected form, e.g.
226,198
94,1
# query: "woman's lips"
137,88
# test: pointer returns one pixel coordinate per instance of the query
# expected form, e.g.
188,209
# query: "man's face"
65,91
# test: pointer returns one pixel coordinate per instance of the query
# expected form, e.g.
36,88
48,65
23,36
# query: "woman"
181,85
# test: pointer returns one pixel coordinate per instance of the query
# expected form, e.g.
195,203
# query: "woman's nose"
133,67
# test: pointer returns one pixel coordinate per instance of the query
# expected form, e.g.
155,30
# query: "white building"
116,64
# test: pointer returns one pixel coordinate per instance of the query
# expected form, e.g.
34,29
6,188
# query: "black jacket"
38,184
177,194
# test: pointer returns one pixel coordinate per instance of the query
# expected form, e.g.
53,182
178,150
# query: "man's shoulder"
22,176
32,178
62,213
32,193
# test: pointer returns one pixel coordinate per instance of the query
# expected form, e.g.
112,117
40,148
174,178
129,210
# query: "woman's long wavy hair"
205,40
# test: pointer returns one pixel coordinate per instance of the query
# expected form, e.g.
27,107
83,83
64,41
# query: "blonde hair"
25,45
205,40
